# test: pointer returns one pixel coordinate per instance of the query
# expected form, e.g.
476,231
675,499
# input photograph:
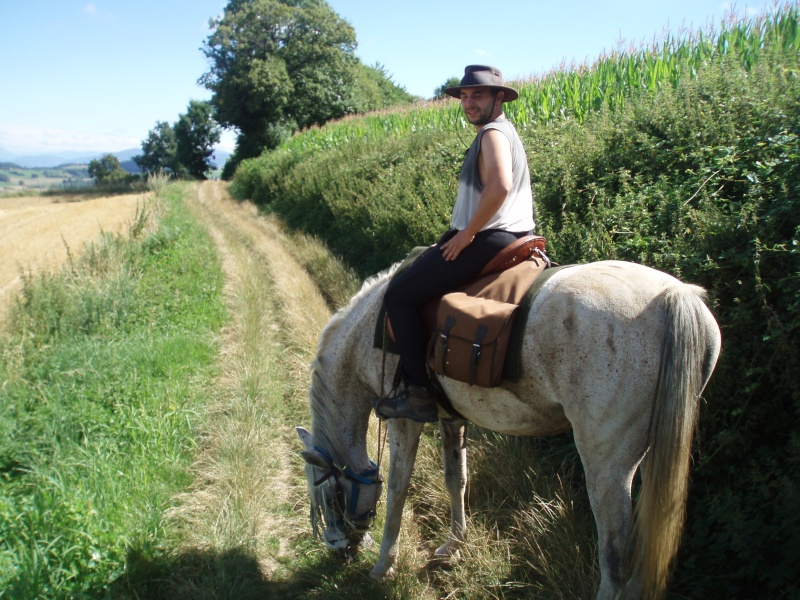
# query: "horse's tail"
690,349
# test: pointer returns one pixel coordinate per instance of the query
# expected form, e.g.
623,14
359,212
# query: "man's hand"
453,247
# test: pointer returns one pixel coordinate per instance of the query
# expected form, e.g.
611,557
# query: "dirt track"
35,232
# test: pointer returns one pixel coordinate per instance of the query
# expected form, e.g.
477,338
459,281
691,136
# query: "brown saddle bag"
471,339
474,325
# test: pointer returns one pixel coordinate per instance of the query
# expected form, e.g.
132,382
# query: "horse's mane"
323,425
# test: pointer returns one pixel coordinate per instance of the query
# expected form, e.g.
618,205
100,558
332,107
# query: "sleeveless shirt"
516,213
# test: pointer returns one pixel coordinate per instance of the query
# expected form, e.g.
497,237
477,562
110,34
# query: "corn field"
578,91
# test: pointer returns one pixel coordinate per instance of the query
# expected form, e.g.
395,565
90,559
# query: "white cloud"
26,139
90,9
482,53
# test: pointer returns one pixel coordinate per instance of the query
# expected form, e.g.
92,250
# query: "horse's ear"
305,437
315,458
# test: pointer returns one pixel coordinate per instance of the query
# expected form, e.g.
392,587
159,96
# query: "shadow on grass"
236,574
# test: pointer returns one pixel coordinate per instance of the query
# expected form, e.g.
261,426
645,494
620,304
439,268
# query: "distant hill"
55,159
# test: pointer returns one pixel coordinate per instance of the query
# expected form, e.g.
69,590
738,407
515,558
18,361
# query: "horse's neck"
339,397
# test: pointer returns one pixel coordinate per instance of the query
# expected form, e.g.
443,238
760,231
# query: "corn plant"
578,91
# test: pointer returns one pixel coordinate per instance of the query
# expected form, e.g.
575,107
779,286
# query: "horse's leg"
403,444
609,469
454,451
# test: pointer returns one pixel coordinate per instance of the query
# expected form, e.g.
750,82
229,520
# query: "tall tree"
279,65
159,150
106,170
196,134
451,82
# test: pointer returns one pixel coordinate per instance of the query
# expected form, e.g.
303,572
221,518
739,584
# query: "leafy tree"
159,150
452,82
375,89
106,170
196,133
276,66
282,65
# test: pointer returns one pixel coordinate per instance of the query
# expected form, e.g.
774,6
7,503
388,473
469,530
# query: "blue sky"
97,76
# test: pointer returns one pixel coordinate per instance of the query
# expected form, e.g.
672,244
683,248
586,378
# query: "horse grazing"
616,351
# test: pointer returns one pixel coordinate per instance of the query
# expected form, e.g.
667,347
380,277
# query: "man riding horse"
494,206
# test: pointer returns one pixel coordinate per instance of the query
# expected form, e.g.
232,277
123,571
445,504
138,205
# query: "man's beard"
483,117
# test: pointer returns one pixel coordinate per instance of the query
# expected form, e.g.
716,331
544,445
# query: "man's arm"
494,167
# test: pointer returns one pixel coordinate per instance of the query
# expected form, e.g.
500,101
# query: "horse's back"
591,353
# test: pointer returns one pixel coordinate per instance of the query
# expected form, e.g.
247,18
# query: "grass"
98,402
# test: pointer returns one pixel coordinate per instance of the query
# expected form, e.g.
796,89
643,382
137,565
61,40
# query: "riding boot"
414,402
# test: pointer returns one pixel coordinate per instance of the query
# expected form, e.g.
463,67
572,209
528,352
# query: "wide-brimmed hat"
482,76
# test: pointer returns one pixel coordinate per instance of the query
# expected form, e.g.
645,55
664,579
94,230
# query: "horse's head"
343,501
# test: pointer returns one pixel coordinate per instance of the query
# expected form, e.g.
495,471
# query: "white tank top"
516,213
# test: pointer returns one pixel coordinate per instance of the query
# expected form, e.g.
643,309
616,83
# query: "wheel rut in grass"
249,483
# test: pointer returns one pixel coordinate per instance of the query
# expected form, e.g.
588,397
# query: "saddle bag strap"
449,323
480,333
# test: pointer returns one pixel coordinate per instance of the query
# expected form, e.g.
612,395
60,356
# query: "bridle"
370,476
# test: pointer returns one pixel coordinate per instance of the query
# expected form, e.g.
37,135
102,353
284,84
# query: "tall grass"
96,410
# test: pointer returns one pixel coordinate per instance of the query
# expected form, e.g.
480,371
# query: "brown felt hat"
482,76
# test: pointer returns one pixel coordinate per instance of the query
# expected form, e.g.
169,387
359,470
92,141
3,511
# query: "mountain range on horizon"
54,159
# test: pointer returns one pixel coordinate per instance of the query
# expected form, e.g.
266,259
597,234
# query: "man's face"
478,104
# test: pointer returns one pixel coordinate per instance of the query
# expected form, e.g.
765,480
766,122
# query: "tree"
452,82
196,134
279,65
106,170
159,150
375,89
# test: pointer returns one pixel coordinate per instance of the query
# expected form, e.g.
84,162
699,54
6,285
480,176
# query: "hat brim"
510,93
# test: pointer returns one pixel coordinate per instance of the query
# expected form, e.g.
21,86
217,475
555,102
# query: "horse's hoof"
444,557
380,574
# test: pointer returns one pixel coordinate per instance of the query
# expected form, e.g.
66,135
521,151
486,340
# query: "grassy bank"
98,401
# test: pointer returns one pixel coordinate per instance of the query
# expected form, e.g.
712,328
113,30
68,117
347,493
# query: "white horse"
617,351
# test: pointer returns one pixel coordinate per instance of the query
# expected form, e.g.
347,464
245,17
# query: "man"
494,207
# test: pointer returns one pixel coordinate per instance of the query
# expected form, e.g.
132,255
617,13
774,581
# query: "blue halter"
369,476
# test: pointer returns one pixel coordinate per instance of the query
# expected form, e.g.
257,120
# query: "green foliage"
390,194
686,159
106,170
159,150
97,405
196,134
375,89
438,93
277,66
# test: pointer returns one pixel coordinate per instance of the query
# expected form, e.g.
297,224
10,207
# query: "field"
149,388
39,232
14,178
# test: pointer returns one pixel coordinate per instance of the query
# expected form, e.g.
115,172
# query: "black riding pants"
429,276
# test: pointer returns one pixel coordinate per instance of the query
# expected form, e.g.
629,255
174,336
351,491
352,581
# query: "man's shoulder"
503,126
